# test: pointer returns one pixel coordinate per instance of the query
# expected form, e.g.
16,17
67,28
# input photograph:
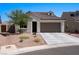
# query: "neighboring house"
3,26
72,21
6,27
45,22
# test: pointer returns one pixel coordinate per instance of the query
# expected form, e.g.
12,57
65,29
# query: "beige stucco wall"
17,27
29,25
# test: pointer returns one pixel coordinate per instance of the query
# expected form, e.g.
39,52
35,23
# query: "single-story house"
72,21
45,22
3,26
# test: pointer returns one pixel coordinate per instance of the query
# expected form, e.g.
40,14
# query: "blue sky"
57,8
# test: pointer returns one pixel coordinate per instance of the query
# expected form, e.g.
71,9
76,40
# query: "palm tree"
18,17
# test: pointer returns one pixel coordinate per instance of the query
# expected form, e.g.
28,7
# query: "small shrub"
21,40
37,40
34,34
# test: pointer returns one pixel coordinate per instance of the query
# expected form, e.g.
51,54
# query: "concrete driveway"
59,38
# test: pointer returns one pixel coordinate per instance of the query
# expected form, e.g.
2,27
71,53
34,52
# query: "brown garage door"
50,27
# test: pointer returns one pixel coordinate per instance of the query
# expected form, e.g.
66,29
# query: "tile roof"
45,16
67,15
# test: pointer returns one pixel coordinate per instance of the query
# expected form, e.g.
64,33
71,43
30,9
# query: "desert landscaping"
22,40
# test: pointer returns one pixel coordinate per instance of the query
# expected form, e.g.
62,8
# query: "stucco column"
17,27
62,26
6,27
29,27
38,27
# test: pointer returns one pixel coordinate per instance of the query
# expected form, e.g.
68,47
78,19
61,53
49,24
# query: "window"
23,26
49,13
72,15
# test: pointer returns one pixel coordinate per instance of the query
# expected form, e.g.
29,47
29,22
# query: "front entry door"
34,26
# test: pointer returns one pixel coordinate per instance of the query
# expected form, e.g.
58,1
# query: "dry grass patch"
37,40
23,37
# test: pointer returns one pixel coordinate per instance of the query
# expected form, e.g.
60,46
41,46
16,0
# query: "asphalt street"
70,50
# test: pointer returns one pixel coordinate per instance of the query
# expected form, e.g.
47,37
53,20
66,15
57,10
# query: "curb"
35,48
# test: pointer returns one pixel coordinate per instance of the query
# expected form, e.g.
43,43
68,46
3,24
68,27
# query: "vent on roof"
72,15
50,13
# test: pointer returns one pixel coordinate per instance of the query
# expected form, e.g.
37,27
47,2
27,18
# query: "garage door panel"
50,27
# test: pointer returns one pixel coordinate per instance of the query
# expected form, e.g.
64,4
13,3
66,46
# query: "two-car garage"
50,27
